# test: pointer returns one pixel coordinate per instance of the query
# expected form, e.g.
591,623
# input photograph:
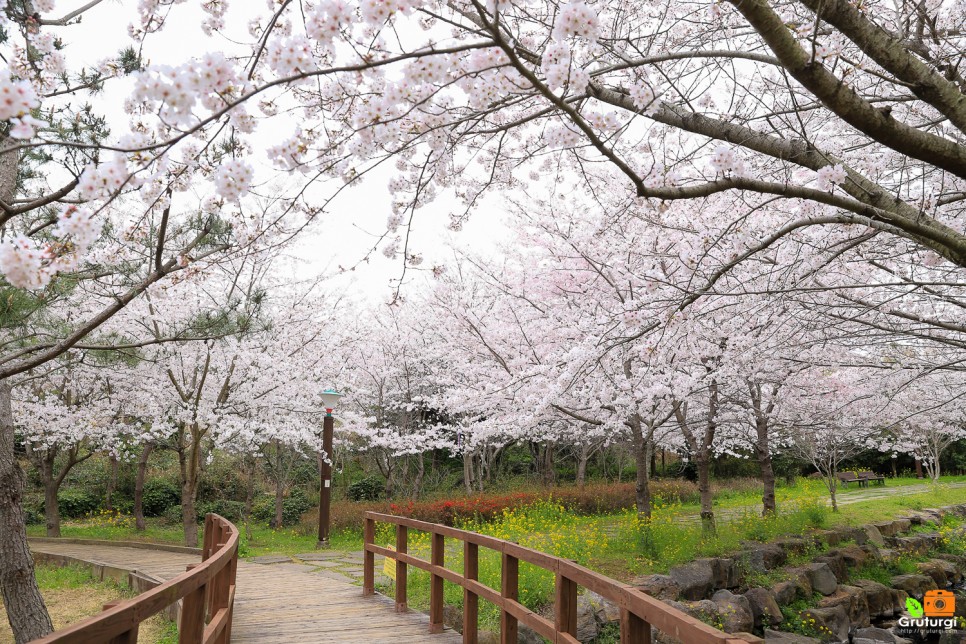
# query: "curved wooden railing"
638,611
207,590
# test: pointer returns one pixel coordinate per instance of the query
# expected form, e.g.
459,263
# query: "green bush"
173,514
368,489
33,515
234,511
293,507
76,503
159,495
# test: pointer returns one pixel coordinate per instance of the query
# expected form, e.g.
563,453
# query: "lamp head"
330,397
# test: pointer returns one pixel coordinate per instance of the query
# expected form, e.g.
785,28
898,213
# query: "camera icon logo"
939,603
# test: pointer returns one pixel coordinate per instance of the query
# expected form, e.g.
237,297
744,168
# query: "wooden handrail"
207,590
639,611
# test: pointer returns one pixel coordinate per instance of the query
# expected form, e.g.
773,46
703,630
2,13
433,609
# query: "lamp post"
329,399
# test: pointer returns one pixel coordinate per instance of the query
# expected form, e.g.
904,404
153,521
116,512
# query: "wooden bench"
849,477
871,476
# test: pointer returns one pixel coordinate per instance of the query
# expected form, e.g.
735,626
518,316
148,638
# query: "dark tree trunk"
703,463
420,476
111,484
51,509
642,489
25,607
189,461
139,523
279,504
468,472
583,455
768,502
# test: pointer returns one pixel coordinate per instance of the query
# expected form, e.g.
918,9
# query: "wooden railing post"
436,557
402,544
131,636
368,558
509,589
471,602
192,627
634,630
565,605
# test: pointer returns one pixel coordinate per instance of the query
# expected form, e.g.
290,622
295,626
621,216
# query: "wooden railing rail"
207,590
638,611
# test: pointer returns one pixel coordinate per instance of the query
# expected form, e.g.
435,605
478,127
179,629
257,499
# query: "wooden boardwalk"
278,604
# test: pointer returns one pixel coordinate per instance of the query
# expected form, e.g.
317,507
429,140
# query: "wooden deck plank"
278,605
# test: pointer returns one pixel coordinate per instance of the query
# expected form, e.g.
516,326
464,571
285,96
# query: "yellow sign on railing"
389,565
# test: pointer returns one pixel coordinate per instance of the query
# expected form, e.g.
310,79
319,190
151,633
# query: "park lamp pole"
330,398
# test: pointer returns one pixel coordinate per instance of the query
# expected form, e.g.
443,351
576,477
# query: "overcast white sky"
359,216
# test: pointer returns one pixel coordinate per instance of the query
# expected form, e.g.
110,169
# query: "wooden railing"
207,591
638,611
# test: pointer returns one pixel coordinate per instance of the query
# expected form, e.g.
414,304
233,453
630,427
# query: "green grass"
62,577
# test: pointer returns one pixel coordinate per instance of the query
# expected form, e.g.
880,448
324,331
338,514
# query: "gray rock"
957,560
526,635
951,574
724,572
873,635
734,611
836,562
914,585
916,544
587,625
832,620
607,612
854,556
695,579
853,600
892,528
785,592
793,545
873,535
788,638
762,557
884,602
659,586
822,578
764,607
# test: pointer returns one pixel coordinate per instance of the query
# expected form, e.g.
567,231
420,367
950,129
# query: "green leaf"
914,608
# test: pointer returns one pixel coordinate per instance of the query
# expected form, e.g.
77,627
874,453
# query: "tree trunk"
583,455
139,523
189,463
468,472
249,495
831,492
918,469
51,509
24,604
642,489
420,475
768,504
111,484
703,463
279,504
